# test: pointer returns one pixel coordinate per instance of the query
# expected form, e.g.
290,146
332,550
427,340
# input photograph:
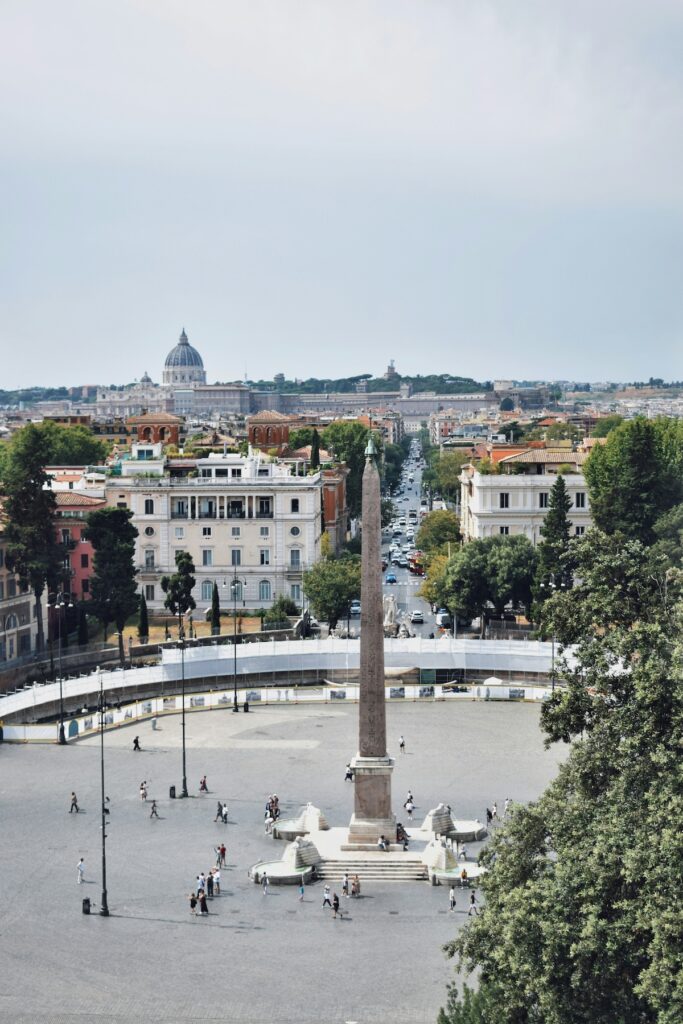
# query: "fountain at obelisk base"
372,816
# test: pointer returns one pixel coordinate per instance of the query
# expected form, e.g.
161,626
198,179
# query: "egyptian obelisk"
372,815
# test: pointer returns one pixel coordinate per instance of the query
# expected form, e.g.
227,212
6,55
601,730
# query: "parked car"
354,608
390,578
443,619
416,616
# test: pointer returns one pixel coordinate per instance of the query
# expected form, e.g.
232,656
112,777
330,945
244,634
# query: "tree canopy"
582,923
348,442
178,588
438,530
331,585
493,571
113,588
636,476
554,565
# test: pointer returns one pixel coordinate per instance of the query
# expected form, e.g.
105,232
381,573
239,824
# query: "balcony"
264,515
68,543
179,515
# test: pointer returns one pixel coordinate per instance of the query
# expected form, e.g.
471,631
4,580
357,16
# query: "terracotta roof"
270,416
74,499
548,456
154,417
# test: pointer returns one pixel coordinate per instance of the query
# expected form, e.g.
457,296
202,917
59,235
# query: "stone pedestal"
372,815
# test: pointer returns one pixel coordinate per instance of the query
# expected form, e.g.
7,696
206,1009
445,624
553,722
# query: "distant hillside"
31,395
442,384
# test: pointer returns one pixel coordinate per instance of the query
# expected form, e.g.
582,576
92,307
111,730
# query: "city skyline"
472,189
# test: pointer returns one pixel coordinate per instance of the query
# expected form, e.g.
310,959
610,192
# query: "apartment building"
514,500
243,517
18,628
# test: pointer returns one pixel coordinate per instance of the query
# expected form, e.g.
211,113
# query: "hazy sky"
481,187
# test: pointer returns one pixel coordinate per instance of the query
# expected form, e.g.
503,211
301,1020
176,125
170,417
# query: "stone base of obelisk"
372,816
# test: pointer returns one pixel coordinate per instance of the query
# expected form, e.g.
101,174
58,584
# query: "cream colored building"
239,516
515,500
18,623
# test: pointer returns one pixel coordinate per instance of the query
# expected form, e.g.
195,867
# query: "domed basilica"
184,365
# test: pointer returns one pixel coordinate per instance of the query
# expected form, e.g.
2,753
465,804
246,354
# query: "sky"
488,188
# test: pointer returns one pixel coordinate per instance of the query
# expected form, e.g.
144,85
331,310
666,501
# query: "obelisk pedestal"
372,765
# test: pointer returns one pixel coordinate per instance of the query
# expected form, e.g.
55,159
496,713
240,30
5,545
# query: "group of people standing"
208,886
272,812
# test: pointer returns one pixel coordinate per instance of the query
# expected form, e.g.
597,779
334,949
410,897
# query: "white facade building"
240,516
515,503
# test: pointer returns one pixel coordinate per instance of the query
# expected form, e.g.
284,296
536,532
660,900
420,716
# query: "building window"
179,532
149,559
235,473
236,531
579,531
207,557
84,561
264,508
66,537
264,531
235,556
207,590
504,499
149,507
149,592
504,530
295,531
580,499
264,590
264,556
295,504
86,586
295,558
12,586
295,592
179,509
206,531
543,499
121,504
2,590
149,531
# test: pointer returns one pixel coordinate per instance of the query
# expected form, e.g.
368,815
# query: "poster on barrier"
337,694
396,692
253,696
169,703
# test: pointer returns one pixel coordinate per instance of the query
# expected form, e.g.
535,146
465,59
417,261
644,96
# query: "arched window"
236,590
207,590
269,435
264,590
257,435
11,622
162,433
146,434
149,507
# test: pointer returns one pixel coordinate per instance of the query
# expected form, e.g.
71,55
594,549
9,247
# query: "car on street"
390,577
403,563
354,608
417,616
443,619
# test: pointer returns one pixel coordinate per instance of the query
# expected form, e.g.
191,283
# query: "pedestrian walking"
335,905
143,791
489,816
203,905
203,788
209,884
136,743
223,852
463,853
409,809
355,886
473,905
217,882
402,744
506,807
224,814
219,811
301,890
264,883
345,884
409,797
80,869
451,897
494,811
201,882
154,813
326,897
193,903
74,804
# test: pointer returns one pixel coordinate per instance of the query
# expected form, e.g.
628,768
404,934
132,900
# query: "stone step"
375,870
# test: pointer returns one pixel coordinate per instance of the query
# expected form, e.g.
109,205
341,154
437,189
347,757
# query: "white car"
355,608
417,616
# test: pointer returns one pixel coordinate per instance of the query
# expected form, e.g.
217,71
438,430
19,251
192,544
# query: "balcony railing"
264,515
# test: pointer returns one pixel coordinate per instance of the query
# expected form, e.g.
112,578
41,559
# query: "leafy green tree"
554,565
31,549
668,530
331,585
67,446
388,511
475,1007
434,589
178,588
494,571
606,425
465,588
348,441
143,621
215,611
301,437
280,610
636,476
113,586
438,530
581,922
315,450
448,467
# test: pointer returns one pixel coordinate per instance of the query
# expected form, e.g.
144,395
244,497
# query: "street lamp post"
181,645
59,602
104,906
235,583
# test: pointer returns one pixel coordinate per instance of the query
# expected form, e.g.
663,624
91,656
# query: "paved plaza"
256,958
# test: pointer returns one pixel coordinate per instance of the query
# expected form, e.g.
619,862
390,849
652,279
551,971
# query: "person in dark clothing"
203,905
136,743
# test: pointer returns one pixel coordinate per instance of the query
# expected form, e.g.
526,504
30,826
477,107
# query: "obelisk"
372,815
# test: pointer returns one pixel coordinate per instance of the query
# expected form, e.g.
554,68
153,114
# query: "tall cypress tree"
554,570
178,588
315,450
143,621
31,549
215,611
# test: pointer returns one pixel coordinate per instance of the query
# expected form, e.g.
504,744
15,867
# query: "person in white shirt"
80,868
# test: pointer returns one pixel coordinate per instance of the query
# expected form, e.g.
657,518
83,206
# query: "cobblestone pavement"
255,958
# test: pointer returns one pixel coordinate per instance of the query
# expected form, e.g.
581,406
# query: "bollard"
171,792
86,905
